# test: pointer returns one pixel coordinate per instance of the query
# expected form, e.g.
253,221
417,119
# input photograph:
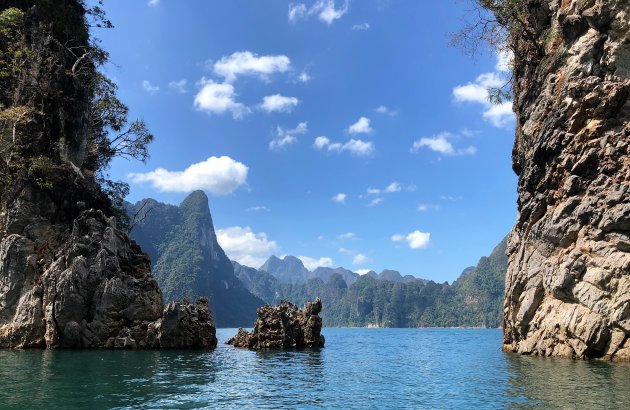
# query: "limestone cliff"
69,278
568,281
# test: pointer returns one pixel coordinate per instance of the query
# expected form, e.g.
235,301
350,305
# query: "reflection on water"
359,368
558,383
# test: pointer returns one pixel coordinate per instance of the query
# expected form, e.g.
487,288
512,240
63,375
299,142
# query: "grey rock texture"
83,284
568,281
283,326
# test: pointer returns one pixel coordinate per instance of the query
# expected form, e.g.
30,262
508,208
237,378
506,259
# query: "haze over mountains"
189,262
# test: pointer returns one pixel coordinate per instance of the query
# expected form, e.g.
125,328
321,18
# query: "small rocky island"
282,327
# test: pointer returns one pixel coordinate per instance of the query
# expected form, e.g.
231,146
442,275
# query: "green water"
358,368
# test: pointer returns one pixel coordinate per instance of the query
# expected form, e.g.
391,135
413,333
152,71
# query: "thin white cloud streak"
287,137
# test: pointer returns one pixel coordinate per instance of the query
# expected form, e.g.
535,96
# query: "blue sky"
346,133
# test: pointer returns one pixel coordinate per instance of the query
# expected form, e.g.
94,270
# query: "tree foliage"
51,81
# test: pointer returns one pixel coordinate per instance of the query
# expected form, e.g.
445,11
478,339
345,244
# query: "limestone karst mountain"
187,259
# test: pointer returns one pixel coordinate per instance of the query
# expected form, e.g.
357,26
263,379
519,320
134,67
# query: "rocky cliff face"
79,282
568,282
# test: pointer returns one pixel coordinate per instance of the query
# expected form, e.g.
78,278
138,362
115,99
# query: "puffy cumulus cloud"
362,271
286,137
218,98
150,88
440,143
362,26
325,10
362,126
500,115
179,86
217,175
415,239
278,103
244,246
312,263
340,198
356,147
247,63
360,259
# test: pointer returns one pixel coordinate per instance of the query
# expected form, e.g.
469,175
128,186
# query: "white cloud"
440,143
362,271
345,251
244,246
373,191
179,86
418,240
297,11
312,263
153,3
150,88
355,147
218,98
325,10
340,198
304,77
321,237
348,235
218,175
415,240
248,63
287,137
362,126
375,201
450,198
258,209
362,26
381,109
278,103
500,115
393,187
427,207
505,58
360,259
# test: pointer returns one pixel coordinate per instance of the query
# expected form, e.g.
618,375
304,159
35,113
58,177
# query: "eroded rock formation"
86,285
283,326
568,281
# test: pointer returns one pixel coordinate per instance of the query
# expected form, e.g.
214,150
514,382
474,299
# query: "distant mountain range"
385,299
189,262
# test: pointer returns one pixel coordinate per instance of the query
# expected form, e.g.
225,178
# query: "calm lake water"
358,368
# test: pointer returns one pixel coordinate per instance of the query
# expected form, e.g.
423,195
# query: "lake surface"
358,368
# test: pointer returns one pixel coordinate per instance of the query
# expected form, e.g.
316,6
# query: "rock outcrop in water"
283,326
568,282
